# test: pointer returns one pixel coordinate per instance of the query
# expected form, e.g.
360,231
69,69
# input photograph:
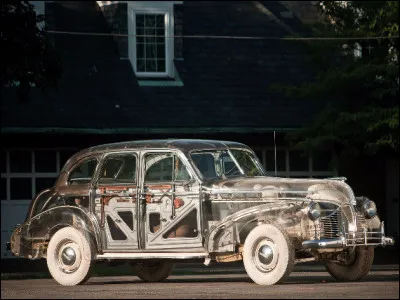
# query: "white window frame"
152,7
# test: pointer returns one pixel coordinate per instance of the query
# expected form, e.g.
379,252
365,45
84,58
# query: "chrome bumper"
363,238
342,243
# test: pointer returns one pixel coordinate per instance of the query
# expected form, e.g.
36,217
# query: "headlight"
368,208
314,211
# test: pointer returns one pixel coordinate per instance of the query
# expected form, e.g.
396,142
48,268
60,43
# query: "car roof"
185,145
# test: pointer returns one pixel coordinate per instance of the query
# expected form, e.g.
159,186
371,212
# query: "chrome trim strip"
165,255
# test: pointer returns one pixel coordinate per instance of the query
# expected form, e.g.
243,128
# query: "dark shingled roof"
226,81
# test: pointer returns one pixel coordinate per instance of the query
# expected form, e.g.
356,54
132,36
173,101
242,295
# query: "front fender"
31,238
272,211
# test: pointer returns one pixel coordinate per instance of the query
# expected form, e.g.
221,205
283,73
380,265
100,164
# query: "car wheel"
268,255
355,267
153,271
70,256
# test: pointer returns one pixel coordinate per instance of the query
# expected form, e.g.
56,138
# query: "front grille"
361,222
330,226
363,236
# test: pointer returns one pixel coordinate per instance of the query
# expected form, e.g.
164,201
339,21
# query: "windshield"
221,164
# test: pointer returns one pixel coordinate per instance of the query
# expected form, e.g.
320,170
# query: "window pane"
160,51
181,173
139,33
140,40
161,65
139,51
149,39
160,32
298,161
149,21
322,161
83,173
20,161
3,189
119,168
160,40
44,183
140,65
46,161
160,20
139,20
151,65
3,161
246,162
280,160
158,167
150,50
21,188
258,154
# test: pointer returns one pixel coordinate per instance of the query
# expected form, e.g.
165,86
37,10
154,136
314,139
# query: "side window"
83,173
158,167
165,167
205,162
229,165
180,171
119,168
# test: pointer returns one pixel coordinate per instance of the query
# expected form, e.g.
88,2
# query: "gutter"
142,130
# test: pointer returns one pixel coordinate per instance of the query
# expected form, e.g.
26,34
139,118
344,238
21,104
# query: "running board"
163,255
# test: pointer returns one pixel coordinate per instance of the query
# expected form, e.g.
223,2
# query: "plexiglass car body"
158,201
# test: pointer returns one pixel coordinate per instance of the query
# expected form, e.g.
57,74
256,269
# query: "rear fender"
31,238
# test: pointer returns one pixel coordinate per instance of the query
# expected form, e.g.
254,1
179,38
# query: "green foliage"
28,56
360,94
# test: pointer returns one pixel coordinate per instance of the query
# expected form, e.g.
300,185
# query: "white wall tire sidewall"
284,261
82,244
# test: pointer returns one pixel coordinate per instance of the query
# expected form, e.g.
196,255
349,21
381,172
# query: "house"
156,69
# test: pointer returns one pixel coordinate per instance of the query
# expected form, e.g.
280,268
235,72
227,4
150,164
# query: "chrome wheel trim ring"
265,255
68,256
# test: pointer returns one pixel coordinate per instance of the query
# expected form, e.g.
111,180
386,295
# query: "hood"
330,189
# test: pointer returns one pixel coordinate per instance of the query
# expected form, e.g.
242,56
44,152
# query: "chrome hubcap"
265,255
68,256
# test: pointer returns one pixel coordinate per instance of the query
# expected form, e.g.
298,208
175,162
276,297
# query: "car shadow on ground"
290,281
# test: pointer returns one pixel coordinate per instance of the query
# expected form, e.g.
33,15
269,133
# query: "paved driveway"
380,284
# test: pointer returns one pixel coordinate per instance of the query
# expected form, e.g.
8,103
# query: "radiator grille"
330,226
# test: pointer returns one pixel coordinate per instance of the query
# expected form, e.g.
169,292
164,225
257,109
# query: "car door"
116,200
170,208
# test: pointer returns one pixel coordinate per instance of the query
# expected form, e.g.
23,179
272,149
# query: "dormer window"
151,45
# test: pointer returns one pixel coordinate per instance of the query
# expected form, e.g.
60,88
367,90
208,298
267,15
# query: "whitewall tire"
268,255
70,256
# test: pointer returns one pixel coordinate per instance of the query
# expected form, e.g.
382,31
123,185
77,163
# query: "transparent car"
158,202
